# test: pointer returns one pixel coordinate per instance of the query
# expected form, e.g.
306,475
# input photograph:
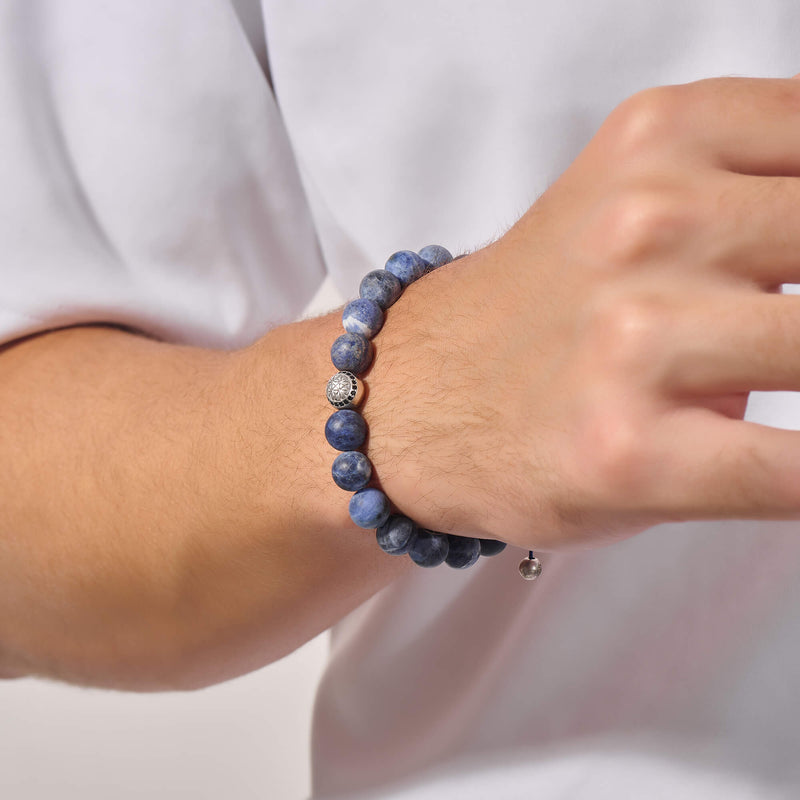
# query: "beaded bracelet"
346,429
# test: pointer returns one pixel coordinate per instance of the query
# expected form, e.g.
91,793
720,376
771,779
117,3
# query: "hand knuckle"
626,334
616,457
646,120
633,227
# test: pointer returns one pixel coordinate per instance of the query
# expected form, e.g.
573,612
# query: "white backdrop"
240,740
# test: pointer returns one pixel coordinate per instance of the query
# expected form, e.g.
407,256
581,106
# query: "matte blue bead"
429,549
369,508
381,286
351,470
352,353
491,547
345,429
406,265
463,551
434,256
363,317
396,534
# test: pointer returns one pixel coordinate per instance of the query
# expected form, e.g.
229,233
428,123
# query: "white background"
247,738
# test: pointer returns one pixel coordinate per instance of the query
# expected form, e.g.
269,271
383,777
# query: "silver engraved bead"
344,390
530,568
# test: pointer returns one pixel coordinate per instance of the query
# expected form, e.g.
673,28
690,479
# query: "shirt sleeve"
146,179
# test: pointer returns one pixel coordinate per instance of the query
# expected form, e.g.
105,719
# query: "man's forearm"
168,518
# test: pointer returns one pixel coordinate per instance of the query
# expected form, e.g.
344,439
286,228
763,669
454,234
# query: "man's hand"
585,377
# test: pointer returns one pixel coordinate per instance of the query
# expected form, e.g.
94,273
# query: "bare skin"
169,521
594,363
172,521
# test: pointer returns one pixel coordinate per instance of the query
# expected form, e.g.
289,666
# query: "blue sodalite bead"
428,549
345,429
463,551
382,287
369,508
434,256
396,534
351,470
406,265
491,547
351,353
363,317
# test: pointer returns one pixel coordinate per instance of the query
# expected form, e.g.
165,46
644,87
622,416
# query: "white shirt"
150,179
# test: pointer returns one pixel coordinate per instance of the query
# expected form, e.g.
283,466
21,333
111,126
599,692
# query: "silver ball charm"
530,568
344,390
